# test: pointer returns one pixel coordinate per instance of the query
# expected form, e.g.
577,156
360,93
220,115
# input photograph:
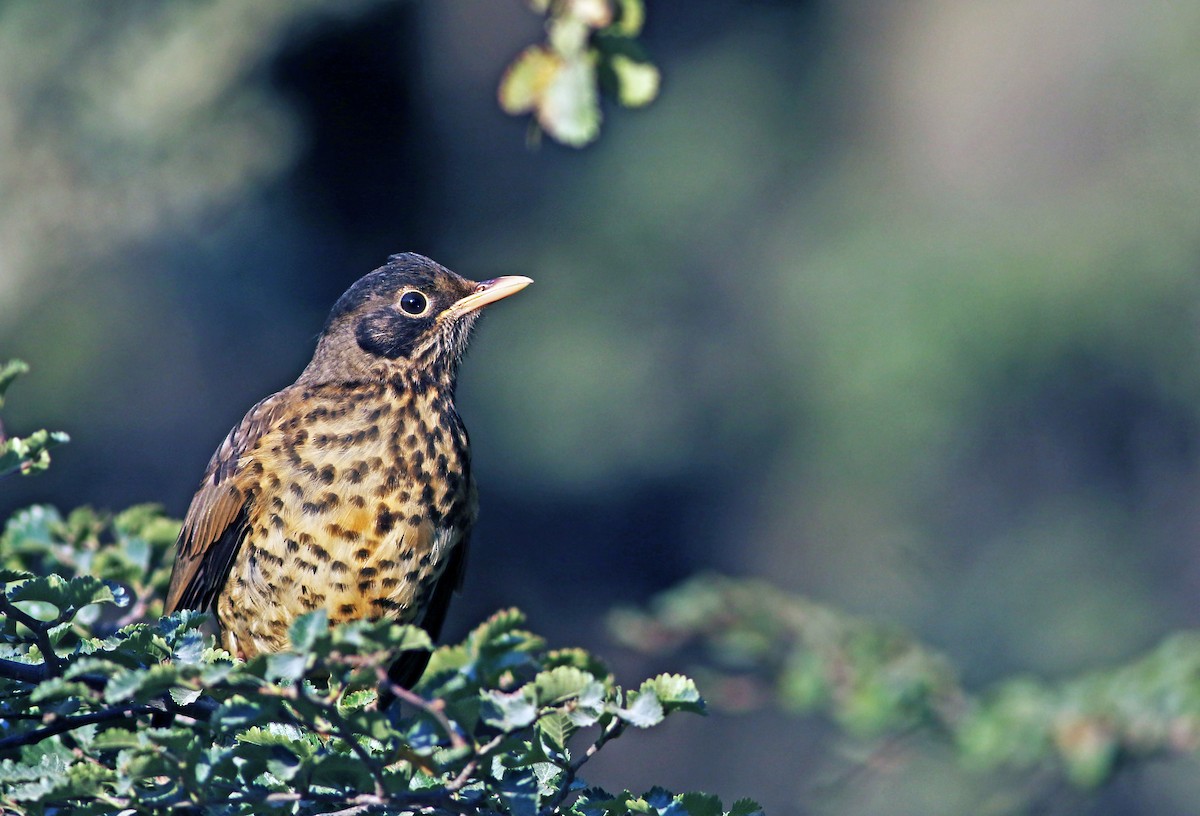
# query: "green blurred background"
894,304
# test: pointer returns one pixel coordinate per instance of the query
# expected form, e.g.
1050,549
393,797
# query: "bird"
349,490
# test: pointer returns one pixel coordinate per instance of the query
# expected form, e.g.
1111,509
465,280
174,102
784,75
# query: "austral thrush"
350,490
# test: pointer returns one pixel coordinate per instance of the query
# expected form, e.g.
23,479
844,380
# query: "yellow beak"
489,291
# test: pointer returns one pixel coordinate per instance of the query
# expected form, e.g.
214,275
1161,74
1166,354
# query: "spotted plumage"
350,490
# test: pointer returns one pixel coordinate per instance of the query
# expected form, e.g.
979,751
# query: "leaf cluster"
591,49
28,454
155,718
755,643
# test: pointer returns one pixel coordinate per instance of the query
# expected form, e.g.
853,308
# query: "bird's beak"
489,291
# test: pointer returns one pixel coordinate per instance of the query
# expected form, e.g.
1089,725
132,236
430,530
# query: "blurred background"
893,304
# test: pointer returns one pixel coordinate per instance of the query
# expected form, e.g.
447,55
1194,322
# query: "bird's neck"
424,380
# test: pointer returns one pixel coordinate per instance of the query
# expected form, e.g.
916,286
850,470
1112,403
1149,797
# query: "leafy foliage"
105,706
590,47
758,642
154,717
28,454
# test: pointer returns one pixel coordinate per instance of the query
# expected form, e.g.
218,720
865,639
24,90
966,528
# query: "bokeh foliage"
754,642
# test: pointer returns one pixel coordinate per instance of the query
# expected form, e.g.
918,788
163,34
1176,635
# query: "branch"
41,632
610,732
65,724
32,673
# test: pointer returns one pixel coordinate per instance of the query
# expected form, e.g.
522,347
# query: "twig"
64,724
611,731
23,672
41,633
434,710
342,728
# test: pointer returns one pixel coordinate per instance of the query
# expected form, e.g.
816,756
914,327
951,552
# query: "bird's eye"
414,303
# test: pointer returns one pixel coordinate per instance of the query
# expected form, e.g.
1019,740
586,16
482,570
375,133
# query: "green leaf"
64,596
637,82
508,711
286,666
631,16
305,630
341,771
9,372
526,79
29,454
58,688
9,576
569,108
143,683
746,807
644,709
701,804
185,696
560,683
31,529
519,793
676,692
556,728
589,706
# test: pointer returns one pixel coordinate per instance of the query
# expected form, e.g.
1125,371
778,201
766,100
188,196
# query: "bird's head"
410,318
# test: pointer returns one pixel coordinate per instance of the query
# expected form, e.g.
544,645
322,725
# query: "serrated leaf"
9,576
560,683
58,688
184,696
286,666
356,700
29,454
341,771
508,711
556,728
676,692
305,630
143,683
589,706
116,739
519,793
746,807
189,648
644,709
65,594
701,804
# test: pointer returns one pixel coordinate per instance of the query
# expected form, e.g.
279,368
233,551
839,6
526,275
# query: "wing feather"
216,521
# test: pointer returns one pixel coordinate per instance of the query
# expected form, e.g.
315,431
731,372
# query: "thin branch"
22,672
611,731
41,633
433,709
343,730
65,724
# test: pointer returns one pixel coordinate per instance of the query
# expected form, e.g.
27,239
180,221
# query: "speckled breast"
362,496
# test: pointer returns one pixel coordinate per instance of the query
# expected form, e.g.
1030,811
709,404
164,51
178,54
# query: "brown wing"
216,520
